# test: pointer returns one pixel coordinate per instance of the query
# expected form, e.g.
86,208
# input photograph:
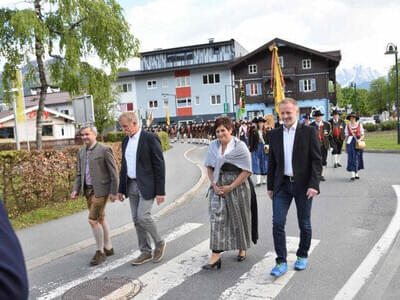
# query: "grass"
48,213
382,140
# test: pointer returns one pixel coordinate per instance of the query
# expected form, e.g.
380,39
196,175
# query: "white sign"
83,109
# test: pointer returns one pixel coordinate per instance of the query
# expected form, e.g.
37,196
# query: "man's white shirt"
131,154
288,143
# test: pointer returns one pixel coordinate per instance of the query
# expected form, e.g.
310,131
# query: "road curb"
383,151
37,262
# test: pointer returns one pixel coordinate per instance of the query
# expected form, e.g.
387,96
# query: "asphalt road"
348,219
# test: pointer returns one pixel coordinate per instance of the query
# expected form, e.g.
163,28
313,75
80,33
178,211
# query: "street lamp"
392,49
176,109
354,85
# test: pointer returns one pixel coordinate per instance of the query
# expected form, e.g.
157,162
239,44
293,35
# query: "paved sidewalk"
42,239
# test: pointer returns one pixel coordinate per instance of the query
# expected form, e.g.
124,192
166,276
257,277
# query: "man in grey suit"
97,176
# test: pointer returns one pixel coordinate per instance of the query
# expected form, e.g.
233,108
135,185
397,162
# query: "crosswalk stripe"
177,233
257,283
159,281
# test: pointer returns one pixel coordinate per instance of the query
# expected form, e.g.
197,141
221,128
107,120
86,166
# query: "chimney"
211,40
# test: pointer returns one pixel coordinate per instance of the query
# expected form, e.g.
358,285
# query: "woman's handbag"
266,149
360,145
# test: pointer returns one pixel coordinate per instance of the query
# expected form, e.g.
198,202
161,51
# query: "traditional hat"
306,116
335,112
352,115
317,113
260,119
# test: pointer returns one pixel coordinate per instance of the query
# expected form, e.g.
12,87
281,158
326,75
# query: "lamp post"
392,49
354,85
176,109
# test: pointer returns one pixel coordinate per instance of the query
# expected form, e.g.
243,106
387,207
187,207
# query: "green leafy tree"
71,32
378,95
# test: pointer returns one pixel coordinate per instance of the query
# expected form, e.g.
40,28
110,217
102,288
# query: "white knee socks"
107,238
99,236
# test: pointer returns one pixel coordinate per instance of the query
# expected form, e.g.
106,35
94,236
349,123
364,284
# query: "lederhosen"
337,136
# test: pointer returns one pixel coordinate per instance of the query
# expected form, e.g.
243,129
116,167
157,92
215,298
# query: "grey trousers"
141,215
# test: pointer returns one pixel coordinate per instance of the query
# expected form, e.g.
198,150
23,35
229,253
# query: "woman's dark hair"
224,121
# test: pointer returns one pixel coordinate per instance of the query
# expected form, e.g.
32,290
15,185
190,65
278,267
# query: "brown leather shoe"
109,252
142,258
98,258
159,252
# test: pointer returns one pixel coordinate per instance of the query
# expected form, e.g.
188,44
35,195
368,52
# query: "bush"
164,140
114,136
388,125
371,127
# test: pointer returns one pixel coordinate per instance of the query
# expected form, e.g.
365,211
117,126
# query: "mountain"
360,74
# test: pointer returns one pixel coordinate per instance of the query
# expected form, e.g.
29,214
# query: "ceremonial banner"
242,103
277,81
149,119
19,99
167,115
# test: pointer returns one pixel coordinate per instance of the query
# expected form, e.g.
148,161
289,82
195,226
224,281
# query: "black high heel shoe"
216,265
241,258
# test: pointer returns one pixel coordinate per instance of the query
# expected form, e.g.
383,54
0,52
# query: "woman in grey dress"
232,203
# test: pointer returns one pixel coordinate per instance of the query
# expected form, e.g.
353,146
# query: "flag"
167,115
149,119
19,99
242,103
277,81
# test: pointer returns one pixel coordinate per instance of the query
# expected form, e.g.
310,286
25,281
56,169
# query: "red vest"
357,131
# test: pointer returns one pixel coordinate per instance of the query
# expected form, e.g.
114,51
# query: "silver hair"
90,126
130,116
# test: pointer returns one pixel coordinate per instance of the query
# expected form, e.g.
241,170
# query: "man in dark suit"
13,278
338,137
324,134
294,169
142,179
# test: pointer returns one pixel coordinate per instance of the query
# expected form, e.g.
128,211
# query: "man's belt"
88,186
290,178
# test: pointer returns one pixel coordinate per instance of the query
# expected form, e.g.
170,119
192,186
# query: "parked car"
367,120
376,118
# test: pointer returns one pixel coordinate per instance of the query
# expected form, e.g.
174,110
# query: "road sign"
83,109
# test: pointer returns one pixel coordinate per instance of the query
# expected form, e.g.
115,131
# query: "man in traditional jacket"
324,134
338,137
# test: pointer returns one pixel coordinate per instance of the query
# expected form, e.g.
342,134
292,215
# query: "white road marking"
159,281
257,283
177,233
364,271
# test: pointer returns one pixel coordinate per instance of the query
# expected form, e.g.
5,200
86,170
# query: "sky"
360,29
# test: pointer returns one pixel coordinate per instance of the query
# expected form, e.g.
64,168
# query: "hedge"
118,136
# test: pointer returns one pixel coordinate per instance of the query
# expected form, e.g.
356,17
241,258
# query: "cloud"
360,29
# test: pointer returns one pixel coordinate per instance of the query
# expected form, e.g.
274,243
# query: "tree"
70,32
378,95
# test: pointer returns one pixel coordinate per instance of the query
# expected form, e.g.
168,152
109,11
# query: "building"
194,83
309,76
56,126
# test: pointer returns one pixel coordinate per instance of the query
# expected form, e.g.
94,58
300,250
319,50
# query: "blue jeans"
281,203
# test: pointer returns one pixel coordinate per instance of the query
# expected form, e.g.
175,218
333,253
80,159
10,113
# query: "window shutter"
248,87
301,85
313,85
259,89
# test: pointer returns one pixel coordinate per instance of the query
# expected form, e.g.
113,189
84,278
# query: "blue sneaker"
279,269
301,263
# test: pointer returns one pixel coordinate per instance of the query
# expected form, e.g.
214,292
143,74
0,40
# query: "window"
307,85
184,102
215,99
47,130
153,104
252,69
126,87
197,100
181,56
281,62
253,89
211,78
182,81
65,111
6,133
306,64
129,107
164,83
216,50
151,84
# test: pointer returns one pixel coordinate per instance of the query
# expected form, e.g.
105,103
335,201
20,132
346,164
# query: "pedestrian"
294,169
354,134
232,200
258,141
338,137
97,177
142,179
243,132
306,119
324,133
13,277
